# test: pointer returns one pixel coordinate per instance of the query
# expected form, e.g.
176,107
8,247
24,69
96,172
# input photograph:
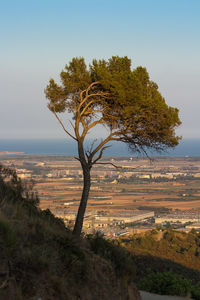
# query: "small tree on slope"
111,94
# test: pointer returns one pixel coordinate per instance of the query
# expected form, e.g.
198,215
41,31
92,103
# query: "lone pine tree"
112,94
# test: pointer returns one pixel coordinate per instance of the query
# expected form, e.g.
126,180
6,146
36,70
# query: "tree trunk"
83,203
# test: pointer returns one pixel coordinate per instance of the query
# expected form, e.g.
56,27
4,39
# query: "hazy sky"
38,37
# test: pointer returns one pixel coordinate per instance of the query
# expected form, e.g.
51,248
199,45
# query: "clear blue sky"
38,37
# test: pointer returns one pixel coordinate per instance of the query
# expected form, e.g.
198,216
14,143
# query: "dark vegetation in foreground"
40,258
166,262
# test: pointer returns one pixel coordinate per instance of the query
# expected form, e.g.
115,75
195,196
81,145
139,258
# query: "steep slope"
40,259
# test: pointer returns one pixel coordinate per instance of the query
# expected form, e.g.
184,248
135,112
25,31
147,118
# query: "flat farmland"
120,196
169,182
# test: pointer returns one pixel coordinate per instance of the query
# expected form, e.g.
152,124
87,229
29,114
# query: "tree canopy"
126,101
122,99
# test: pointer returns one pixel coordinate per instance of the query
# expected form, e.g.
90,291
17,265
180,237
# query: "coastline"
67,147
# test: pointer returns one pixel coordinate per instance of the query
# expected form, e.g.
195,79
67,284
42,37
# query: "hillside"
40,259
166,262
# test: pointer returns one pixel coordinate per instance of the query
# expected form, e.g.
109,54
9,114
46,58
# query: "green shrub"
119,256
73,258
195,292
166,283
7,235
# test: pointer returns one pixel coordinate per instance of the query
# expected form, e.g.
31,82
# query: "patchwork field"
164,182
120,196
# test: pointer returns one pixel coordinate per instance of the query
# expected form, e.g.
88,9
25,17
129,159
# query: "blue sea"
187,147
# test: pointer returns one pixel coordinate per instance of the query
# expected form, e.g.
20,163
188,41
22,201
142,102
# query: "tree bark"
83,203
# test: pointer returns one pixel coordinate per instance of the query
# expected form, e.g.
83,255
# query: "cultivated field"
167,182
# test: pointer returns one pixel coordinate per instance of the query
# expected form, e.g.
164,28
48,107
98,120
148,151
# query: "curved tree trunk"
83,203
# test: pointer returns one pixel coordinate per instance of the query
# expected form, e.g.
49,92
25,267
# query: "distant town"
140,194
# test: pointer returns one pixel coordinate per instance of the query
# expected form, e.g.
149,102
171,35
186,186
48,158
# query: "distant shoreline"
66,147
10,153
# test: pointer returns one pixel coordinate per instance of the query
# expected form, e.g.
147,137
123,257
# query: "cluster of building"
128,169
179,217
24,173
185,219
108,223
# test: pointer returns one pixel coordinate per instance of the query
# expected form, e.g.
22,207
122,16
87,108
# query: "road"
149,296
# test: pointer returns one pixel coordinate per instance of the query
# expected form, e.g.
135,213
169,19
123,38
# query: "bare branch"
115,139
145,152
81,94
80,114
83,124
76,158
117,167
87,128
71,124
100,154
91,85
108,163
86,107
86,91
95,123
63,125
91,146
76,129
95,111
101,95
101,145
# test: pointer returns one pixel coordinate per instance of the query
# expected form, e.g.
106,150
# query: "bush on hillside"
195,291
112,251
14,190
166,283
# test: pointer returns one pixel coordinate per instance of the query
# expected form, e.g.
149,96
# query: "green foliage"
73,257
169,283
48,216
135,100
12,189
165,283
176,246
166,262
112,251
127,101
195,291
7,234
